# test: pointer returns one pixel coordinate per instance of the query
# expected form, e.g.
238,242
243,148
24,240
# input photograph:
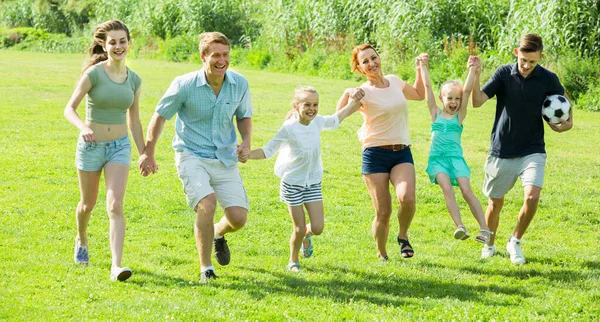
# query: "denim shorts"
380,160
92,156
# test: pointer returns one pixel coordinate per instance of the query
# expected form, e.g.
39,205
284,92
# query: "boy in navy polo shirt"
517,140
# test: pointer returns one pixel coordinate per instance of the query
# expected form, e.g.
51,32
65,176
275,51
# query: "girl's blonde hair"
297,91
453,82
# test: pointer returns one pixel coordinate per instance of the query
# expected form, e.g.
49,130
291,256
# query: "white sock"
206,268
217,236
512,238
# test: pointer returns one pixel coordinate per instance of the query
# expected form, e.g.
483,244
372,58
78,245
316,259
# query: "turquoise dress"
446,154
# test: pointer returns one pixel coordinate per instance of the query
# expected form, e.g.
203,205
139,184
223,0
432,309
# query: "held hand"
147,165
244,155
562,126
243,152
357,94
422,60
87,135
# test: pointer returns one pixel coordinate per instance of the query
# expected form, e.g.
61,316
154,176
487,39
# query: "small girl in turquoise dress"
446,165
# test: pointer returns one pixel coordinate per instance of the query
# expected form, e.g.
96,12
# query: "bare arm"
245,128
564,125
257,154
135,125
343,100
415,92
473,65
433,108
147,162
70,113
479,97
352,106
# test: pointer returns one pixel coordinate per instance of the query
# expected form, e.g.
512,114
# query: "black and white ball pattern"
556,108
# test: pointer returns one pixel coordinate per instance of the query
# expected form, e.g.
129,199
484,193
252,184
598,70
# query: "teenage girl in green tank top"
113,95
446,165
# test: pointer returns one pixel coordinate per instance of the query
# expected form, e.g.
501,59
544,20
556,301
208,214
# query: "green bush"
181,48
11,37
590,100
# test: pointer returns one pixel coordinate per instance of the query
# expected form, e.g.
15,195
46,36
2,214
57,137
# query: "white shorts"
201,177
501,174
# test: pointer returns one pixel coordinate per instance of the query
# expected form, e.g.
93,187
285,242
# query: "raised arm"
479,97
473,65
415,92
343,99
353,103
433,109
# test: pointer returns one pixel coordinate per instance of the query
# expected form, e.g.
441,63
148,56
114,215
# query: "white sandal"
484,236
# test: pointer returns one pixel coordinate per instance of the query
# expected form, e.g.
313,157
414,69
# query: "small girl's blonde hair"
453,82
297,91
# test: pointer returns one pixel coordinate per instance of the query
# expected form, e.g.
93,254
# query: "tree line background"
315,37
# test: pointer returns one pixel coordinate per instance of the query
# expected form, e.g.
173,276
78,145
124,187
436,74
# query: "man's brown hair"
531,43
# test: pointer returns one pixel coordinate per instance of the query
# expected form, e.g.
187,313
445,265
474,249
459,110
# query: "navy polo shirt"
518,126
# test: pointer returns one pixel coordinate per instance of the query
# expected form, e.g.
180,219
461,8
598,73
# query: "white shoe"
513,247
488,251
120,274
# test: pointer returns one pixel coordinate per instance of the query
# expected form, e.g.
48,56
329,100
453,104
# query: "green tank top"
108,101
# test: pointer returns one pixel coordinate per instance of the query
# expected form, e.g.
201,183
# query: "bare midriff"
107,132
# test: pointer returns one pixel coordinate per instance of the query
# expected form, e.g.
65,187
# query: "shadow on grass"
349,285
550,269
145,278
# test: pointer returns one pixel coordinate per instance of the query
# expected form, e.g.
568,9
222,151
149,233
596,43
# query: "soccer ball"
556,108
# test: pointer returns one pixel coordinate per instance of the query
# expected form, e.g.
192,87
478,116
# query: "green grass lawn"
446,280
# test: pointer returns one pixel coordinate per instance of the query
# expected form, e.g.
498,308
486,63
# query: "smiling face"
369,62
306,105
451,96
216,60
527,61
116,44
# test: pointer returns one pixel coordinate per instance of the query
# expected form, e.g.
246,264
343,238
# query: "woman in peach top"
385,139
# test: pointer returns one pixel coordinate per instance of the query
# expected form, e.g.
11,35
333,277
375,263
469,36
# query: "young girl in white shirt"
300,167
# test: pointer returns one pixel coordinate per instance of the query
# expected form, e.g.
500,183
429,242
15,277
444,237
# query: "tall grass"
312,36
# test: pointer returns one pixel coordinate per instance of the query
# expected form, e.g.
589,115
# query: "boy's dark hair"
531,43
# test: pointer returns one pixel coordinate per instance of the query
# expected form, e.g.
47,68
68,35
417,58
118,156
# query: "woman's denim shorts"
380,160
92,156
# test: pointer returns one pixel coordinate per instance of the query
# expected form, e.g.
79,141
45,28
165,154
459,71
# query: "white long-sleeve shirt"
299,146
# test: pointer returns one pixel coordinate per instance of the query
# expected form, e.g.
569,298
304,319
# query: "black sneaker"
221,251
207,276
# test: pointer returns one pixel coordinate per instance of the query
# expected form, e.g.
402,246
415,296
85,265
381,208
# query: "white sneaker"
120,274
513,247
488,251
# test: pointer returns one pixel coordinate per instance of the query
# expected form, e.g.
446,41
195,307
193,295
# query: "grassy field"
446,280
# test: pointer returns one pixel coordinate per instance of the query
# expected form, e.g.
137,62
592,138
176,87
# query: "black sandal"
405,248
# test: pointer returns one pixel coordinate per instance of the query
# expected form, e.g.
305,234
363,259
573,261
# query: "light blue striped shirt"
204,124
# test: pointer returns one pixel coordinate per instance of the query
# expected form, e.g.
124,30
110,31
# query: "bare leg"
316,214
446,185
234,219
299,231
472,201
378,187
88,190
204,228
492,216
116,181
403,180
530,204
